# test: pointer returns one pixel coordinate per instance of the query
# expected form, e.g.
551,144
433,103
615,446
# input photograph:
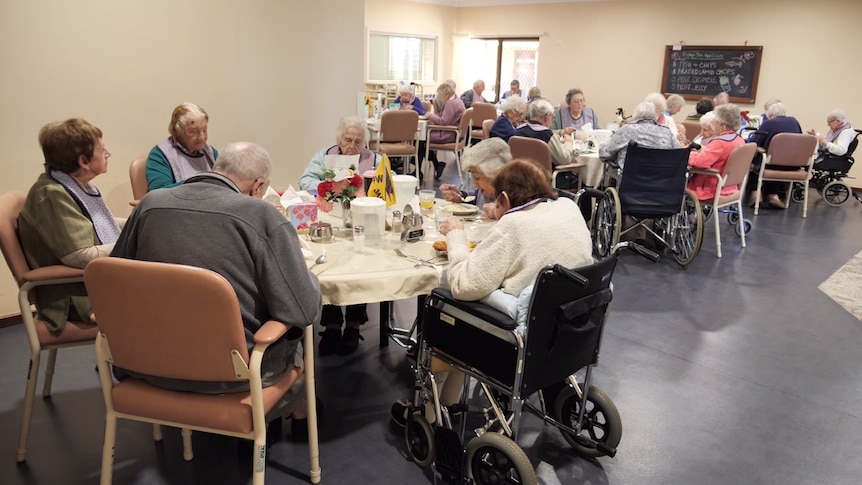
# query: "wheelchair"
827,177
563,334
653,188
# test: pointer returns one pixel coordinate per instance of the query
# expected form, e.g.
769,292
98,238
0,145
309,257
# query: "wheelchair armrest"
478,309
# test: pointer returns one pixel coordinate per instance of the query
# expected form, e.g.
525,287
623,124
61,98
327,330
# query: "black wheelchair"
827,177
652,187
563,334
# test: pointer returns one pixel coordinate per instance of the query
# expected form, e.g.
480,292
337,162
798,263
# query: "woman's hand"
490,210
581,136
451,193
450,224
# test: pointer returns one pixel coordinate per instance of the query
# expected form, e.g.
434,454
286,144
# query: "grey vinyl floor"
732,371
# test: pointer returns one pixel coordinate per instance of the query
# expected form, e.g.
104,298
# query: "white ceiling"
490,3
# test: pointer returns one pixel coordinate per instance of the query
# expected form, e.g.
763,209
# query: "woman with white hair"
185,152
715,154
407,100
839,136
540,116
484,161
661,108
514,109
643,129
706,129
453,109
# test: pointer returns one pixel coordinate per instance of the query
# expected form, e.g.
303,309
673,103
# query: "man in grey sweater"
211,222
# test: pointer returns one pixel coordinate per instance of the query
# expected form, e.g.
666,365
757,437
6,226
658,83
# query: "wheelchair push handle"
638,248
572,275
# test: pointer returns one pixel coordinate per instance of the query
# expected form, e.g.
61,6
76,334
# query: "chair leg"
311,398
49,373
259,457
804,200
27,415
157,432
717,231
458,166
188,453
741,223
108,448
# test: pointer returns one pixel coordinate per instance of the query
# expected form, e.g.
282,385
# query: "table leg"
385,322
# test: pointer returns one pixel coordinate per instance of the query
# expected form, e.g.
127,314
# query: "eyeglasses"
830,120
579,101
352,141
195,132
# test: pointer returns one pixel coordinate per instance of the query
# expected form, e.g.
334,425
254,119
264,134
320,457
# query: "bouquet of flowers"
339,186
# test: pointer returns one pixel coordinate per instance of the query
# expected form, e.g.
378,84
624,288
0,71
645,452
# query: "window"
401,57
498,61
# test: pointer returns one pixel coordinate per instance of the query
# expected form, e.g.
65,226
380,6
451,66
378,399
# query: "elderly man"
474,95
720,99
644,129
217,220
514,108
514,89
776,122
484,161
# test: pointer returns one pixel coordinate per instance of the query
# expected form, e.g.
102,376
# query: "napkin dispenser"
370,212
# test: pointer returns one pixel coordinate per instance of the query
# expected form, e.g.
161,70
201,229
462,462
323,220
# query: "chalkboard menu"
697,71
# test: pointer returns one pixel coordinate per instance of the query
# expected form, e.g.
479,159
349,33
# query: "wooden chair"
461,135
481,113
397,136
38,337
735,174
794,150
138,177
183,322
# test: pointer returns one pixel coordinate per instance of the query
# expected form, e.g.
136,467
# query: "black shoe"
438,169
399,414
349,341
330,341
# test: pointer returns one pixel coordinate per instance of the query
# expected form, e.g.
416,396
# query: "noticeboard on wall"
697,71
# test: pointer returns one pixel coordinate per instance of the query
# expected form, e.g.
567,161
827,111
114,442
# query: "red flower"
356,181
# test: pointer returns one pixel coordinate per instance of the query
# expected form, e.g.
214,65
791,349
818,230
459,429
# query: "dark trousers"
353,313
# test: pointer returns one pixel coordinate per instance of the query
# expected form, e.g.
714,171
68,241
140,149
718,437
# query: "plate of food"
440,248
460,209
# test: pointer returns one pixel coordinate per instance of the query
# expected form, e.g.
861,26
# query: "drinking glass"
426,201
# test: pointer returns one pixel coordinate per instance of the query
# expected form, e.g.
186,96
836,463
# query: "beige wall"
265,70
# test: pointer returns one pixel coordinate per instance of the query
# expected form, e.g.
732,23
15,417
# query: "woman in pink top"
715,154
453,108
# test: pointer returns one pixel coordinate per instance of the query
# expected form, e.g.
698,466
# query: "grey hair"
534,92
513,103
645,111
658,100
352,122
445,88
769,103
540,108
675,100
728,115
478,83
721,96
450,82
244,160
405,89
837,114
488,156
775,109
707,118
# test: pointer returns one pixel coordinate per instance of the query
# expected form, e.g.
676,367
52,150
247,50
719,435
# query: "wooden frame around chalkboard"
752,93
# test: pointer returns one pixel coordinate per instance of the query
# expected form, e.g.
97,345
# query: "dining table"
377,273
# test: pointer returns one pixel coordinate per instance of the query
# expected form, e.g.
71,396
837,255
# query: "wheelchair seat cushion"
477,308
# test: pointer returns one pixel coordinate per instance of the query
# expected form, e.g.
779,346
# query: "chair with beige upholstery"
481,113
692,129
138,176
533,149
486,128
461,134
794,150
735,174
184,322
39,339
428,107
397,137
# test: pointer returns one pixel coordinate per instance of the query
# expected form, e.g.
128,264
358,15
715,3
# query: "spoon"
320,260
469,198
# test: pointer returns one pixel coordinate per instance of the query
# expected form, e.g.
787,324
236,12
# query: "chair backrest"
138,176
565,322
486,128
428,107
10,206
167,320
853,144
464,125
739,163
398,125
482,112
653,181
531,148
692,129
791,149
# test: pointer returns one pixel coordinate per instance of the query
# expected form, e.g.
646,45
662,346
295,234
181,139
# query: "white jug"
370,212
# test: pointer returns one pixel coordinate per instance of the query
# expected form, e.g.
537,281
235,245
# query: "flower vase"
346,216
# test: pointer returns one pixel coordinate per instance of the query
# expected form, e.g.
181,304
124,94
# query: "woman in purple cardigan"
453,108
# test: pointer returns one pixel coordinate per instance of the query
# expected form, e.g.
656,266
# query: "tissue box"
301,215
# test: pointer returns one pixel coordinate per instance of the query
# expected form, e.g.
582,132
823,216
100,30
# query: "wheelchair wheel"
687,230
732,218
836,193
602,421
607,223
495,459
420,440
746,227
797,193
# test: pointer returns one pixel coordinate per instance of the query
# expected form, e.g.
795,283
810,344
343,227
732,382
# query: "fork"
419,261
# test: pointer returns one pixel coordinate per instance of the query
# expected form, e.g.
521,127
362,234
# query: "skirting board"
10,320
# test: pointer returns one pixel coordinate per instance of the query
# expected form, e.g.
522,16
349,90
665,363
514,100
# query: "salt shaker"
358,238
396,222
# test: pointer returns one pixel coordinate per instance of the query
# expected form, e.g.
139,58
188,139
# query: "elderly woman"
706,129
533,94
407,100
703,106
64,219
514,108
541,115
514,90
474,95
674,103
504,265
350,139
185,152
484,161
453,109
661,107
715,154
720,99
839,136
643,129
575,116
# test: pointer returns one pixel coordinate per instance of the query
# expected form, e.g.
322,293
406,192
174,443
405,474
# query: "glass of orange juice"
426,201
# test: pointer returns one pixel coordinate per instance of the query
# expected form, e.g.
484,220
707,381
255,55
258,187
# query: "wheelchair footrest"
450,454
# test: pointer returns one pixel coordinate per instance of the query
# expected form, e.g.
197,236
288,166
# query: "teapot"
321,232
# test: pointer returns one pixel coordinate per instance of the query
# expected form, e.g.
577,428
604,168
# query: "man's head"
247,165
